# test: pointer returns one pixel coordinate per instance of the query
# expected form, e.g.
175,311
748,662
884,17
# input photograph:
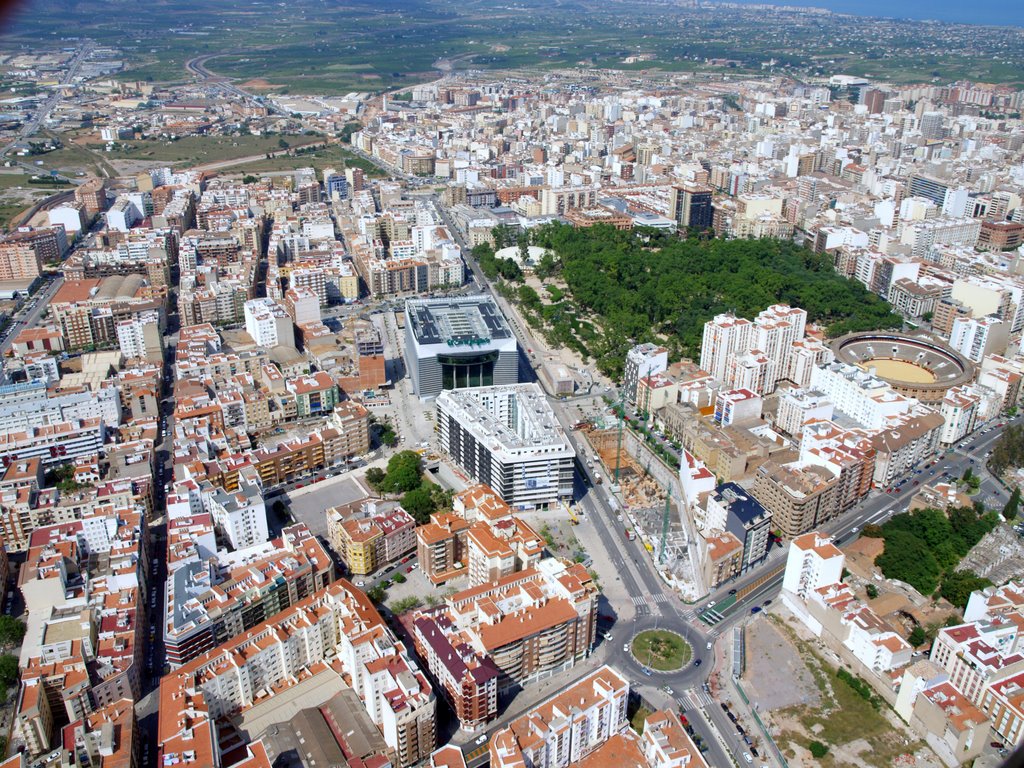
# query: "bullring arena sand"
899,370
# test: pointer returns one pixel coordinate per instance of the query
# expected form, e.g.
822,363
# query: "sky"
1000,12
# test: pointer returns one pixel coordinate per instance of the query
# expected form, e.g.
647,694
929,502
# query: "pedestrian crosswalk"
703,697
661,597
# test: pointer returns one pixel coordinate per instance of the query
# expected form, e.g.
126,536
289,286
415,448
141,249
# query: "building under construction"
637,487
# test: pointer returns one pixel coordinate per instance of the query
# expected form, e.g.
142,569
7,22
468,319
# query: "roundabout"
661,650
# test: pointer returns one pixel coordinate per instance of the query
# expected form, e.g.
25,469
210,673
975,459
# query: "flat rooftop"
461,320
516,417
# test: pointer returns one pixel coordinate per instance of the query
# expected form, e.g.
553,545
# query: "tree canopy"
1008,452
645,283
958,585
8,670
924,547
12,631
403,474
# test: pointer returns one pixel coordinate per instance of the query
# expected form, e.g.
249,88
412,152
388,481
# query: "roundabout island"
661,650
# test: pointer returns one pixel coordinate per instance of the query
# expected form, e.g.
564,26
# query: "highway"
197,67
47,106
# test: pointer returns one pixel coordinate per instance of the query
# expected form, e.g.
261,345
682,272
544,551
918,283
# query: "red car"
409,569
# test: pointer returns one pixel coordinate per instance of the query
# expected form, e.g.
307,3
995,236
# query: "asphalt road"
44,110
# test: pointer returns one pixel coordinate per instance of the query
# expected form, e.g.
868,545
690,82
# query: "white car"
482,739
360,583
709,646
747,757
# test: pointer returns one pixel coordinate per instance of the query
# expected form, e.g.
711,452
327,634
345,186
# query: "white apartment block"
798,406
642,361
122,215
813,562
977,654
752,370
777,328
240,515
32,405
723,337
978,337
304,305
563,730
803,356
507,437
755,355
558,200
313,278
268,323
922,236
139,337
959,409
56,443
859,394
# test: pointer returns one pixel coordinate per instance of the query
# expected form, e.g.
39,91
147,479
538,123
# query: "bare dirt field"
802,700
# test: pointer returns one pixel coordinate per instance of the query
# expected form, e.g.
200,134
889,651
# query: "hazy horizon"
987,12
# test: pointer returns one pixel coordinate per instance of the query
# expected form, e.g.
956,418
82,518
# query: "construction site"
647,503
637,487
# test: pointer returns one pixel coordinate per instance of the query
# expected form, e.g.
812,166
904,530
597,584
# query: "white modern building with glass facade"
458,342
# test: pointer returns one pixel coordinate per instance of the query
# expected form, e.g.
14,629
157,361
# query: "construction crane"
621,409
664,527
